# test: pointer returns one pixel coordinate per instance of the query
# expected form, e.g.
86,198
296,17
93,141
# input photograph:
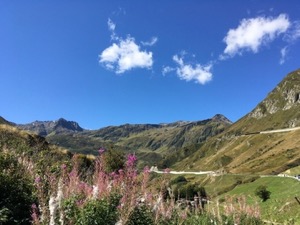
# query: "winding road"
154,169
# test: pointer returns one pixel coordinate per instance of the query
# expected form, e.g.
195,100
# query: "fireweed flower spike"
131,159
63,166
101,150
37,180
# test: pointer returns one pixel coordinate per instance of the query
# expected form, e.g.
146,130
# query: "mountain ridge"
44,128
210,144
153,143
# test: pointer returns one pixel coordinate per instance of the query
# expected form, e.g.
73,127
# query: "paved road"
154,169
271,131
184,172
279,130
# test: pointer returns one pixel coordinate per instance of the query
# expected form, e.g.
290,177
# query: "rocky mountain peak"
69,125
222,118
284,97
44,128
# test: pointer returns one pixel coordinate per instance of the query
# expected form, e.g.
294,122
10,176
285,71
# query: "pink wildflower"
146,169
37,180
35,214
63,166
101,150
131,159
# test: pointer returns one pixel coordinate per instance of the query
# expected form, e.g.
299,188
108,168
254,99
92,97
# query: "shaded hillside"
4,121
257,153
33,151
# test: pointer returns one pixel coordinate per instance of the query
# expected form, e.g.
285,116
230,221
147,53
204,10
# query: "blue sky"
106,62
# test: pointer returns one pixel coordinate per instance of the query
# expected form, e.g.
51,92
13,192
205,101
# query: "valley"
226,159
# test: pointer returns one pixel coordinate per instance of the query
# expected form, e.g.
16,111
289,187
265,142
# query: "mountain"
45,128
212,144
280,109
153,143
242,149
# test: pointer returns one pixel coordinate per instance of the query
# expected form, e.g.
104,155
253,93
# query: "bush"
179,179
189,191
98,211
114,160
262,193
16,193
141,215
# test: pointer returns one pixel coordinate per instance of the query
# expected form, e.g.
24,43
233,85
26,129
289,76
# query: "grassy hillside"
257,153
31,148
282,206
272,153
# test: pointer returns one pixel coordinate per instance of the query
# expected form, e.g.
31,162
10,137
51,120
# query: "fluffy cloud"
254,32
125,55
200,74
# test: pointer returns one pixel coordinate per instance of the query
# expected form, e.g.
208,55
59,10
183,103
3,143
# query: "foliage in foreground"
16,192
124,197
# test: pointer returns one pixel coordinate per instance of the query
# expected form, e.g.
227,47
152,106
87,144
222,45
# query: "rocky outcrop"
44,128
285,96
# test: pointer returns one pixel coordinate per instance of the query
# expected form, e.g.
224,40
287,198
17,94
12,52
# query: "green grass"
293,171
282,206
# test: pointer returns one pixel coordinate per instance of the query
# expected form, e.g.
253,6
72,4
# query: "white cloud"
200,74
151,42
291,36
125,55
293,33
283,53
167,69
111,25
296,33
254,32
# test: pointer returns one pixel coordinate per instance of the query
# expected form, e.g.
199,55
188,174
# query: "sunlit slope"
241,149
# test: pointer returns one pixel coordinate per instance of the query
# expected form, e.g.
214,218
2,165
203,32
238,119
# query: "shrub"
114,160
189,191
98,211
141,215
16,193
262,193
179,179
